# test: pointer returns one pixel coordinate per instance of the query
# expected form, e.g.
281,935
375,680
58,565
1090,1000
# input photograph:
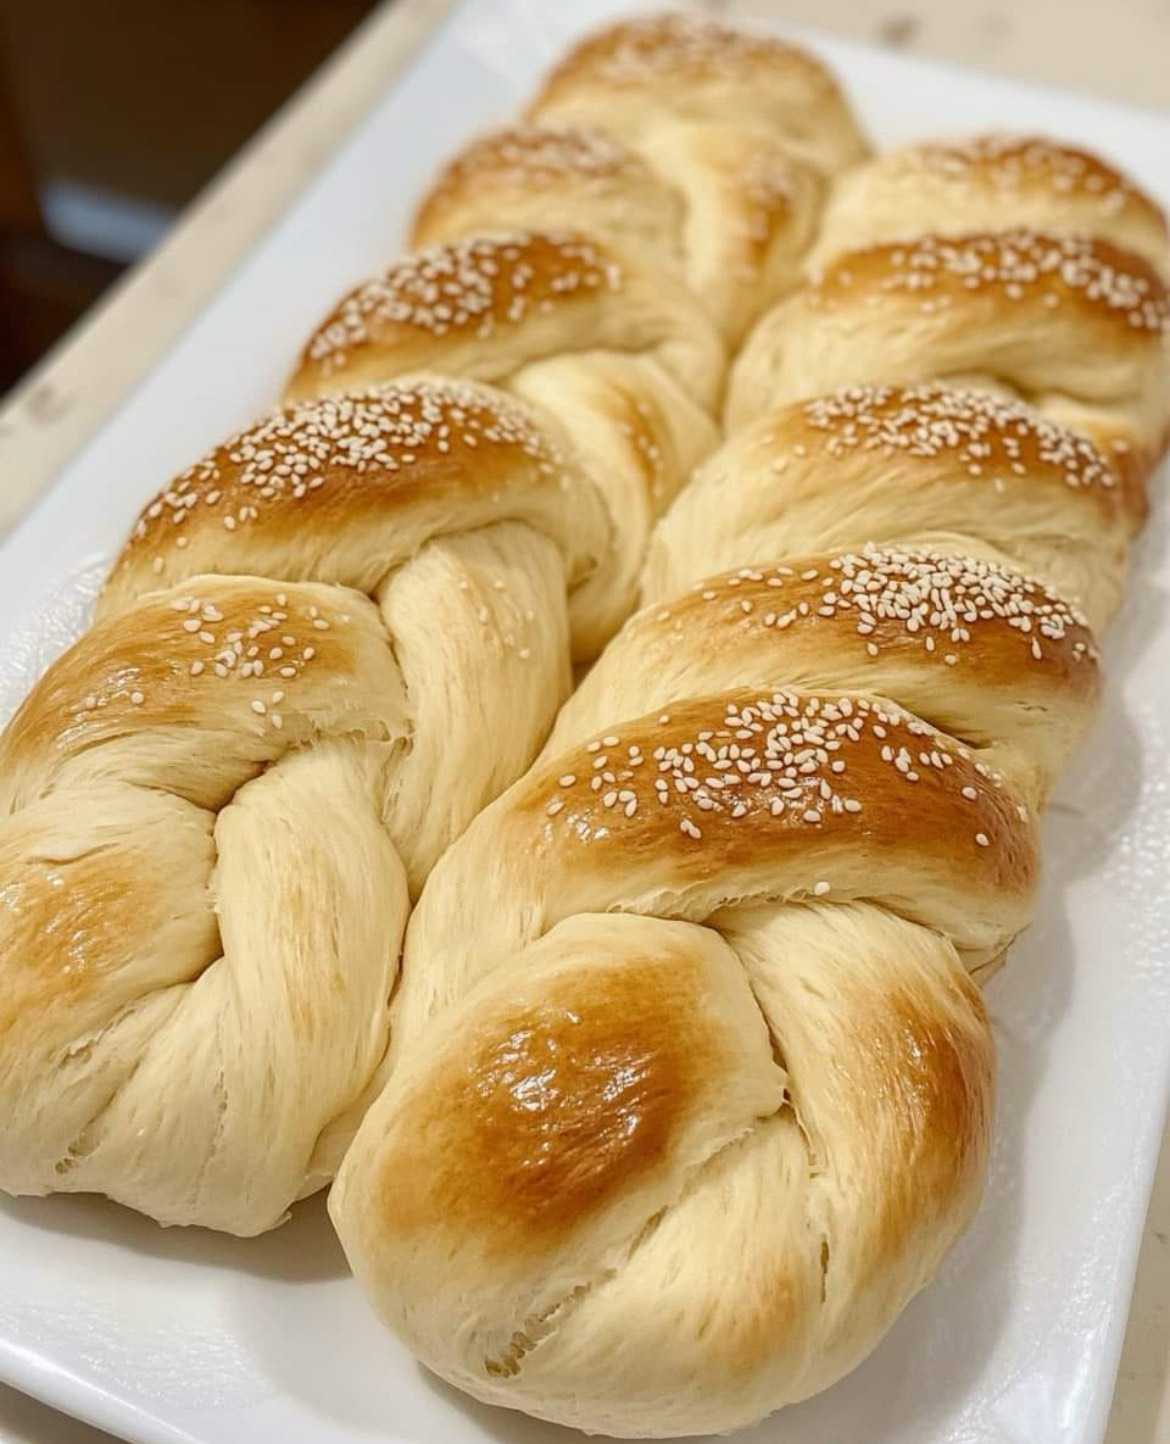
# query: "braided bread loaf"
691,1082
322,650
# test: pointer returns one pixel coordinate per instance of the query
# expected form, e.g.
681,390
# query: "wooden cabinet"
130,103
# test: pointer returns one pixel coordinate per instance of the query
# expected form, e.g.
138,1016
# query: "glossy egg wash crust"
644,1015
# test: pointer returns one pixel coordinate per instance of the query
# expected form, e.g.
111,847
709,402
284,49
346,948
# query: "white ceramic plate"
180,1336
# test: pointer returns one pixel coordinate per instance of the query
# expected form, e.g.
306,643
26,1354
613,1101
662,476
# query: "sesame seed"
1017,263
474,287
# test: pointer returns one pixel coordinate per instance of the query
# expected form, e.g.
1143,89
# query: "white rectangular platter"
179,1336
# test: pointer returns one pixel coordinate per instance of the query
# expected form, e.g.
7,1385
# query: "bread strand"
692,1089
324,647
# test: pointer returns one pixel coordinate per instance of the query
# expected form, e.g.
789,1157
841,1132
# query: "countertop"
1068,43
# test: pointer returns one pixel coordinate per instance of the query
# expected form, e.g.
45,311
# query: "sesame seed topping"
298,450
1016,263
977,428
525,155
789,756
639,51
477,285
919,594
1007,163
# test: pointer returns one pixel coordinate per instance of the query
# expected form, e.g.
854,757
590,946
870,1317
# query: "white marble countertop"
1119,50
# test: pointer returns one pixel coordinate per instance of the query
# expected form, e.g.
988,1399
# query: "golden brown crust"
994,627
993,441
279,497
1001,445
475,289
235,654
726,206
724,785
491,307
1118,292
522,158
1033,163
678,52
996,441
563,1102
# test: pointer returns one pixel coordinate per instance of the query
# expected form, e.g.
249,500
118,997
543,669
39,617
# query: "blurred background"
112,116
